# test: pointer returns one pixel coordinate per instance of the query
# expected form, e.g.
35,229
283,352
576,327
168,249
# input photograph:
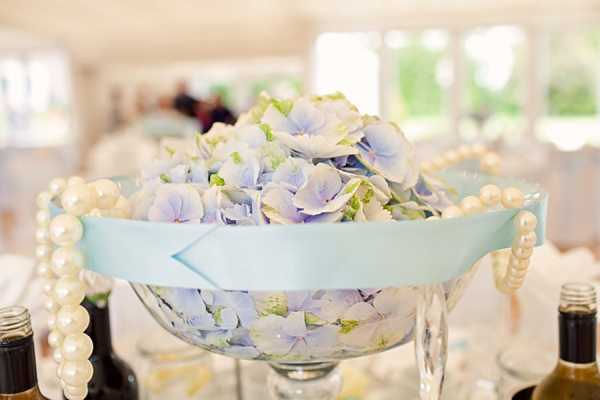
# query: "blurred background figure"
183,102
219,112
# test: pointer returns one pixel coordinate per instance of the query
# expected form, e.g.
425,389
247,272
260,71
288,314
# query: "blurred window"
349,63
494,84
572,88
35,100
421,73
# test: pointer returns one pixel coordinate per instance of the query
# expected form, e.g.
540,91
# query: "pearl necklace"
68,319
509,265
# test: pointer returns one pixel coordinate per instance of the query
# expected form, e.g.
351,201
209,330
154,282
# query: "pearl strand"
489,161
68,319
509,265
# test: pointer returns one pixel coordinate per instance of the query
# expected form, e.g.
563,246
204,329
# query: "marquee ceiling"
134,31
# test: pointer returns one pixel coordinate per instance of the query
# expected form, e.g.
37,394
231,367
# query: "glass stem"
431,340
315,381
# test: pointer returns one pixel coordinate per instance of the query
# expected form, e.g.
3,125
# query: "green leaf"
277,160
236,158
355,202
216,180
368,196
348,326
170,150
267,130
164,178
284,106
350,214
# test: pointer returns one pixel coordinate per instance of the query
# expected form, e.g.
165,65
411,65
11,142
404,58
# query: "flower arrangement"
313,159
310,160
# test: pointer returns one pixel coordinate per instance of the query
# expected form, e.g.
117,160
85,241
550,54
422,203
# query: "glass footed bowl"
292,326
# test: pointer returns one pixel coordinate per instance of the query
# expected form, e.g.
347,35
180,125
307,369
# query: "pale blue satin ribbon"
305,257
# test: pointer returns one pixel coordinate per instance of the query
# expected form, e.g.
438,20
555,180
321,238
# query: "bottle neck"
17,363
577,335
99,329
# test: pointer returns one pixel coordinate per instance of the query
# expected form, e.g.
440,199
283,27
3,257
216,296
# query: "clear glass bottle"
18,375
576,375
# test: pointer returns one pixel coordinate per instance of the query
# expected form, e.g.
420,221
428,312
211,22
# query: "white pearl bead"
66,230
51,305
478,149
465,151
51,322
42,235
74,180
43,218
518,264
62,384
69,290
518,274
107,193
76,390
451,156
43,200
74,397
59,368
57,186
452,212
72,319
44,251
78,199
471,205
525,221
57,355
439,162
55,338
95,213
512,198
427,167
433,218
490,195
77,347
525,239
48,286
77,373
44,270
491,162
121,210
66,261
521,253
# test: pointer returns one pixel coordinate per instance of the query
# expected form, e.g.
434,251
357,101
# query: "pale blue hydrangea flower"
289,338
278,206
141,201
178,174
155,169
304,128
213,213
269,302
252,135
384,150
190,304
292,174
382,324
324,192
241,170
176,203
338,301
303,300
239,214
239,303
338,105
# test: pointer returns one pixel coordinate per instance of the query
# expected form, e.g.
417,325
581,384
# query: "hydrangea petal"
323,341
